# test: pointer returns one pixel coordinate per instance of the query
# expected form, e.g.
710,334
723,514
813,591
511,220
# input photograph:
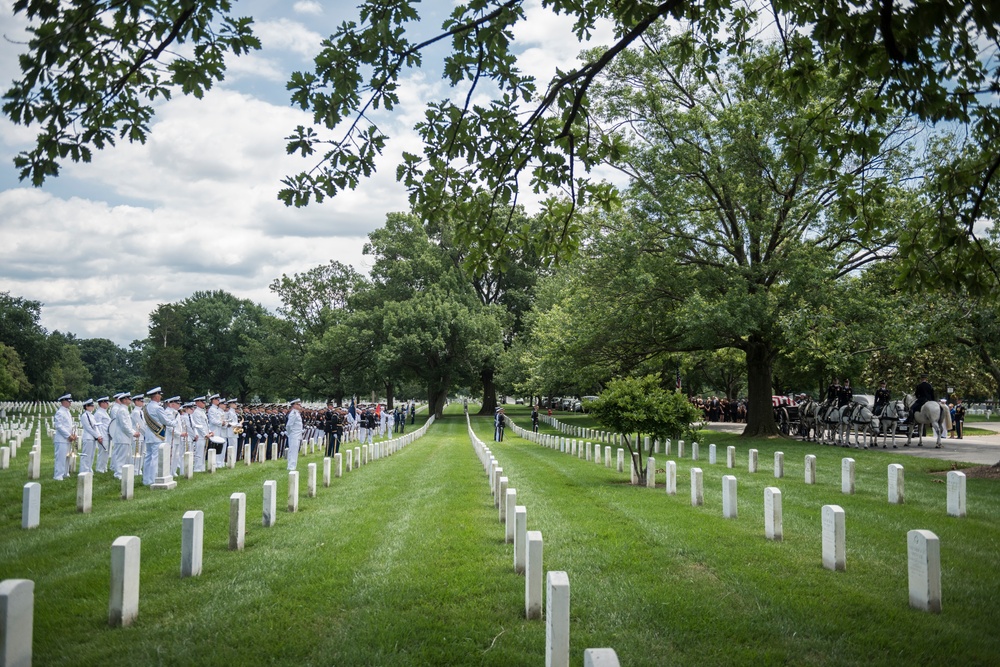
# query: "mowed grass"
403,563
667,583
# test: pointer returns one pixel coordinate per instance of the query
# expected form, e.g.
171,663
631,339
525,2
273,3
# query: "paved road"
981,449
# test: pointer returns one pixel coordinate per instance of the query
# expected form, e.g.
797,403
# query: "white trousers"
292,451
176,456
120,454
149,462
87,447
199,454
103,455
62,464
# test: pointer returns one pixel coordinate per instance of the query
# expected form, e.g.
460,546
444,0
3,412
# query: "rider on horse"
923,393
882,399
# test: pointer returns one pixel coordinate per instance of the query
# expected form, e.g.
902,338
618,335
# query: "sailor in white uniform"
64,436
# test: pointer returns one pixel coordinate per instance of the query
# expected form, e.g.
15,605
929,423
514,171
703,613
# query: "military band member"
64,437
176,434
156,419
122,434
198,433
215,419
91,431
104,423
138,403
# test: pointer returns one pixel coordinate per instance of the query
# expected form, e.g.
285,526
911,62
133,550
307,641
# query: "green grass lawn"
403,563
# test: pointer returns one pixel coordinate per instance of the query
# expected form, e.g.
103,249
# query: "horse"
834,424
809,419
888,421
858,415
932,413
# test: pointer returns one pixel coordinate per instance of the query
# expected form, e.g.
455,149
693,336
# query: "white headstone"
189,465
779,465
671,478
520,538
666,447
33,465
4,464
501,499
338,464
752,461
327,466
729,497
231,456
533,575
497,474
357,458
956,493
810,470
847,476
597,453
210,461
192,542
17,620
128,481
364,454
694,451
509,504
557,620
834,538
730,457
712,457
123,607
621,460
84,492
293,491
896,490
163,480
600,657
311,480
634,467
924,565
680,449
590,450
607,456
697,488
350,459
651,472
31,505
237,521
656,445
772,513
270,503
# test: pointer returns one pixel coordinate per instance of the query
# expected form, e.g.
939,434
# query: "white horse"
888,421
835,426
859,418
931,412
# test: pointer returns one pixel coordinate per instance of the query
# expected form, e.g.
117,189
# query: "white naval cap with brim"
87,402
65,397
174,399
198,398
138,397
294,401
104,399
154,391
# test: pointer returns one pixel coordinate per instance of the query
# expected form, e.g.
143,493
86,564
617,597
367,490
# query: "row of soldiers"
112,430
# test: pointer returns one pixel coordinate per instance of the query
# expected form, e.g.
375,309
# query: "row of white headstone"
956,494
17,595
924,554
528,561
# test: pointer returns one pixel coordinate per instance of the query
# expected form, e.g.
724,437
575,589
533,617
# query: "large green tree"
93,70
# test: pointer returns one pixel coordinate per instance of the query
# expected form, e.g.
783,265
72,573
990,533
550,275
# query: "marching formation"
112,431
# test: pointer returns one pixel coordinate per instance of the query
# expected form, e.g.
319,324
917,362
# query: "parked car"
518,401
567,403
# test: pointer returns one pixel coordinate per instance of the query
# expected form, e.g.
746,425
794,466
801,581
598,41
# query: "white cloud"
308,7
287,35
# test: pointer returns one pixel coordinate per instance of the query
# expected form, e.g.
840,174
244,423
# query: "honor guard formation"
112,431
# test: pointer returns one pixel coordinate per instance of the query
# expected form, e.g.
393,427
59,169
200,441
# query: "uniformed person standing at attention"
215,419
138,403
91,436
293,431
156,419
64,437
534,418
959,417
845,395
104,423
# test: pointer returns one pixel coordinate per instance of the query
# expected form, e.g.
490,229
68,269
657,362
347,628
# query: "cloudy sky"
195,208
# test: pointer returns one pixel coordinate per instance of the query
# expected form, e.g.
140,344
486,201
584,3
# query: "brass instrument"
238,429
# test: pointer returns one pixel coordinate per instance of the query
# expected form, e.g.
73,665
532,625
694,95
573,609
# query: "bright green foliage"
112,368
13,381
641,406
93,70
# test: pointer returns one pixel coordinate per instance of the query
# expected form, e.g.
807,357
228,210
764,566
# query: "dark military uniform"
959,419
844,396
882,399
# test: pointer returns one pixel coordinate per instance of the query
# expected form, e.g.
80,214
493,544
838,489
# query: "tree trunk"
760,414
388,395
436,396
489,391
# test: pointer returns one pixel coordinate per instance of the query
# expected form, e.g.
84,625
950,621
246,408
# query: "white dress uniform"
103,447
293,430
63,423
121,438
160,416
215,418
137,426
230,419
198,436
88,443
175,436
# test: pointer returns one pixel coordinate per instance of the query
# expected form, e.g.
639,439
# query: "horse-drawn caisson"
786,414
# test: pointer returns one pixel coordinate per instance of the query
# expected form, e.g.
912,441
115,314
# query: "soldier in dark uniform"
882,399
959,418
413,413
845,395
330,424
924,392
832,392
534,418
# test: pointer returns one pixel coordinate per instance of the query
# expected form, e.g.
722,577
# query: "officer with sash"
155,420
